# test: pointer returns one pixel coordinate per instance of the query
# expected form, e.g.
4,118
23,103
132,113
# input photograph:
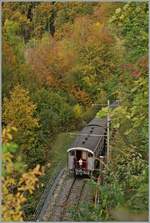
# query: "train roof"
98,122
91,135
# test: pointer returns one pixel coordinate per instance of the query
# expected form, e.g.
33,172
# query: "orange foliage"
103,10
88,31
44,8
143,63
80,95
9,58
39,61
50,61
81,30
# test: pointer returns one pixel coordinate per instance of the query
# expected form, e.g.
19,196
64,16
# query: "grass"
58,153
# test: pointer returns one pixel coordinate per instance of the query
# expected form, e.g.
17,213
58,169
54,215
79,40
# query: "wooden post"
108,120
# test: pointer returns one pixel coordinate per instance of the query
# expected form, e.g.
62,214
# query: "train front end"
80,161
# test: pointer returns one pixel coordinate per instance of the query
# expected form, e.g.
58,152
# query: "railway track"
74,197
66,192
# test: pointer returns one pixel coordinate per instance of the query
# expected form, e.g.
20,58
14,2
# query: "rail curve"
66,192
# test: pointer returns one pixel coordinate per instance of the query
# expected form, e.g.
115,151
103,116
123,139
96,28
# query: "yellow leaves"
97,24
12,202
7,162
126,6
13,188
7,157
21,198
97,27
28,180
118,11
9,215
7,134
77,111
36,170
9,181
11,209
121,17
19,109
88,80
43,9
18,17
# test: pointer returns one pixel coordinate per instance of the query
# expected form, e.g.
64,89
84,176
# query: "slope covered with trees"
58,59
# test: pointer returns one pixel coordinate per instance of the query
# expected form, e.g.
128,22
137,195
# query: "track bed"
67,193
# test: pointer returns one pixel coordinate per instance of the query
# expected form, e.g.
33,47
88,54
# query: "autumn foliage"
14,188
61,62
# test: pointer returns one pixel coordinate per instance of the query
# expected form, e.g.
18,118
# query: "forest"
60,62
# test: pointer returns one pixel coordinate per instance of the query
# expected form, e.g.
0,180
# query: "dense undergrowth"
61,62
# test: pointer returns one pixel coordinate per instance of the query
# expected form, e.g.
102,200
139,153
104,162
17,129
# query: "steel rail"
50,194
65,203
74,189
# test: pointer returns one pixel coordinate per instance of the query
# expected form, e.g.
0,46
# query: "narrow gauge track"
67,192
73,198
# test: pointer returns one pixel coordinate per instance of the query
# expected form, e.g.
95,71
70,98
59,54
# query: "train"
89,147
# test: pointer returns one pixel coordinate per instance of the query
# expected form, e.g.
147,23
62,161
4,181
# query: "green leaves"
86,62
126,182
131,22
9,147
103,113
